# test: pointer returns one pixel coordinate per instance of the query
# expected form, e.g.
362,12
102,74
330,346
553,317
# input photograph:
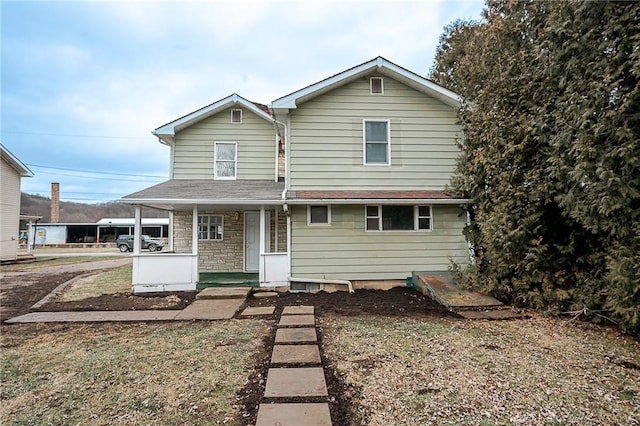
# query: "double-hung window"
210,227
225,159
398,218
377,143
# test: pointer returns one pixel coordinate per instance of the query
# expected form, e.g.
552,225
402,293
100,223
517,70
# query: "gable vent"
376,85
236,116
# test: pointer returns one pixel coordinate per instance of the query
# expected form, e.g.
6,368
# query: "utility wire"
94,172
76,136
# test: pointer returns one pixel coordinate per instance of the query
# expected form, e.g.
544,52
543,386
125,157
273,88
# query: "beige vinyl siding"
326,150
9,211
192,155
345,250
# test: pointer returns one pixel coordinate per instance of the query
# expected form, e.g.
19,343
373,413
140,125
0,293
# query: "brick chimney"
55,202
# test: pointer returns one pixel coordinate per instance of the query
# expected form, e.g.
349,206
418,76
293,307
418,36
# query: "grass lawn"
109,282
109,374
55,261
438,372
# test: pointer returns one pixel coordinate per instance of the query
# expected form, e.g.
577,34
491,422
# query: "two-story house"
339,183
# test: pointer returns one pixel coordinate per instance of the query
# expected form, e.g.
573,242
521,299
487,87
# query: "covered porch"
215,241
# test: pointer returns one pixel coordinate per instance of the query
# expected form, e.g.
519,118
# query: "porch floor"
228,279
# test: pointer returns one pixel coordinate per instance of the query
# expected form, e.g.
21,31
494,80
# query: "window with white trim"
319,215
236,116
210,227
376,135
398,218
376,86
225,159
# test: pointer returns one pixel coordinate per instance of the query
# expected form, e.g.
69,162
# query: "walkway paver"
298,310
295,382
95,316
297,320
296,335
213,309
307,414
258,310
265,294
295,354
224,293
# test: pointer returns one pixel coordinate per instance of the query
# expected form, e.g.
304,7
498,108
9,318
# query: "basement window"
376,86
236,116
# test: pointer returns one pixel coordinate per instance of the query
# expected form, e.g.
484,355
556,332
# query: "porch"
228,279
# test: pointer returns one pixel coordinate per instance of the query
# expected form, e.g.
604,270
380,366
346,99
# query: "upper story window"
398,218
376,85
225,159
210,227
236,116
319,215
377,143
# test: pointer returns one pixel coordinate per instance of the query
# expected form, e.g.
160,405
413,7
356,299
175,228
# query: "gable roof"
380,65
13,161
168,131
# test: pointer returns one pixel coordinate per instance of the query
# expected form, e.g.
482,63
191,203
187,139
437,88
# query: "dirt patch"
124,302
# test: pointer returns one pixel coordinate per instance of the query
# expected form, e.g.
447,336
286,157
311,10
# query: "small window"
376,142
236,116
319,215
376,85
225,159
398,218
210,227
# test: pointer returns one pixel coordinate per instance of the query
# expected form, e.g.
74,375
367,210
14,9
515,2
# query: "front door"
251,241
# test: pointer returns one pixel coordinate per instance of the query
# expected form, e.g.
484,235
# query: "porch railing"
164,272
275,270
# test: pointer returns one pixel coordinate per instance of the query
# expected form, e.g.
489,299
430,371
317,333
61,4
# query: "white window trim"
215,160
364,142
415,220
236,122
328,206
208,224
381,86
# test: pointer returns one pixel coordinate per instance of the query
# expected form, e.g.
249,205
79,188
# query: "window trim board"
364,141
215,161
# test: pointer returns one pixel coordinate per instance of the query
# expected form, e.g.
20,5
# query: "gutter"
394,201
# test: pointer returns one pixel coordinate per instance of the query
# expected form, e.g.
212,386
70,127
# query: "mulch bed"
125,302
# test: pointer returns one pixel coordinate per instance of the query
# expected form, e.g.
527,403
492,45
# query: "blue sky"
84,83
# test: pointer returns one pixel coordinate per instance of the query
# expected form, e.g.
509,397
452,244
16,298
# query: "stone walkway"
295,374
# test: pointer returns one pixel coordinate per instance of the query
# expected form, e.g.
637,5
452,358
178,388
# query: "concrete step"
295,382
297,320
224,293
295,354
296,335
294,414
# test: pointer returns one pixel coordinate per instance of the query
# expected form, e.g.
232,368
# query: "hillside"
38,205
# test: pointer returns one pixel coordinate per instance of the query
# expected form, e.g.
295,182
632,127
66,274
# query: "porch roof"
373,197
176,193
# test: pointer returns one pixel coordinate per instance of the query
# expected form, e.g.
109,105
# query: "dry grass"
109,374
57,261
109,282
525,372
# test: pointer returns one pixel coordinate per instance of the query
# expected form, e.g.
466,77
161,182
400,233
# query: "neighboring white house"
341,182
12,171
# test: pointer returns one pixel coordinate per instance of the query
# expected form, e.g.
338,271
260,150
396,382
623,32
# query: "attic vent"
376,85
236,116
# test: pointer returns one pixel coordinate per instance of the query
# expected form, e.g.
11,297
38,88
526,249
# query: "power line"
70,135
98,177
92,171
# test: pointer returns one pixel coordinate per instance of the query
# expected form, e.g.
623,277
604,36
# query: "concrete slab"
296,335
445,292
472,314
258,310
295,382
295,354
95,316
297,320
224,293
499,314
298,310
308,414
265,294
211,309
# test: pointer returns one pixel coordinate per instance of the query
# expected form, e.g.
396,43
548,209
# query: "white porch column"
261,249
275,231
194,231
137,231
170,231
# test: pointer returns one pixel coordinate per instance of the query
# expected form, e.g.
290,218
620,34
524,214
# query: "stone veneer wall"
226,255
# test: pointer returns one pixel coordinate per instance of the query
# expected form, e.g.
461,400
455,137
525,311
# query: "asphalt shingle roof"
214,190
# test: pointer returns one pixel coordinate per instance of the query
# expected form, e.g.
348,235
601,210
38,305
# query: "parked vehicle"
125,243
